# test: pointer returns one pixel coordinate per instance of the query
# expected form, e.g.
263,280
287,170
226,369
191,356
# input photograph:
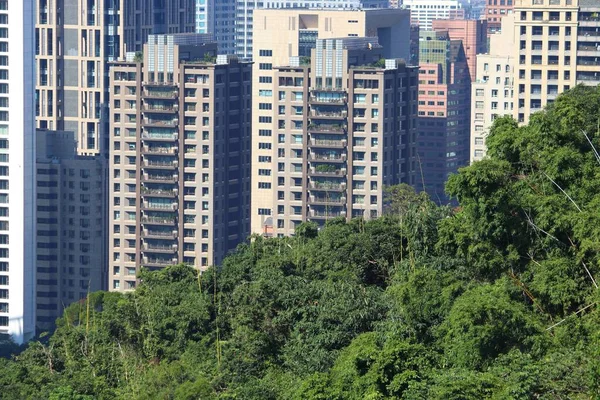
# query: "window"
265,53
264,185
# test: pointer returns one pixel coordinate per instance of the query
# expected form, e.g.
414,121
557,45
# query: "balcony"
327,128
330,144
158,150
159,248
328,186
159,108
158,220
146,205
589,78
159,262
161,178
327,200
328,99
330,114
171,123
328,157
156,192
159,234
326,214
160,94
160,137
153,164
323,170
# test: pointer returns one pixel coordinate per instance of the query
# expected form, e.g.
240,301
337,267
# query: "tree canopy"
496,298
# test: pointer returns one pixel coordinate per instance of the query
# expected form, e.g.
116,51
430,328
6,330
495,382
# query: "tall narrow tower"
17,158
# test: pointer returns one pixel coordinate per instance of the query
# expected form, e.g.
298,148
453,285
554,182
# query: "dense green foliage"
494,299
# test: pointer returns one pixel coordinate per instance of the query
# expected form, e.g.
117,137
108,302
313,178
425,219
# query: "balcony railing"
338,144
159,206
159,261
156,108
328,114
158,150
158,192
158,220
326,128
335,186
327,200
161,94
160,122
170,137
327,100
316,171
326,214
160,248
161,164
328,157
161,178
159,234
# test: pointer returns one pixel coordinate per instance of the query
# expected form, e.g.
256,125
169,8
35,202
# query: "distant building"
180,165
232,21
494,11
71,201
444,111
424,12
75,42
492,92
472,33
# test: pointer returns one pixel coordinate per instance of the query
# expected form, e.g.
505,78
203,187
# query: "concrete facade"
75,41
558,47
180,165
71,225
280,35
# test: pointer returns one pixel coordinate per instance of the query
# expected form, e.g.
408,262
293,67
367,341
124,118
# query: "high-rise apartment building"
344,128
558,47
444,111
495,11
231,21
180,157
71,225
492,92
74,42
472,34
17,170
424,12
280,35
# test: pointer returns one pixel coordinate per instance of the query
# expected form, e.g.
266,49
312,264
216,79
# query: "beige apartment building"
75,40
70,223
344,127
285,38
180,157
492,91
550,46
558,47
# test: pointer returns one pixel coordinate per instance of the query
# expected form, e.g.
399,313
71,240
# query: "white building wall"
424,12
21,169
